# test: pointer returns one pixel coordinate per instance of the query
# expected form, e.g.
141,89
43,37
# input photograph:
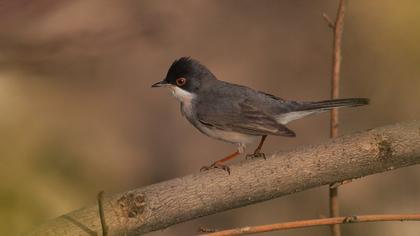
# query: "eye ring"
181,81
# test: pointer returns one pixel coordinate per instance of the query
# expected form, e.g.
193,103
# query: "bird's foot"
216,165
256,154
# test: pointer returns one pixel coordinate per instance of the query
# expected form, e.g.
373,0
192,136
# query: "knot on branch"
384,147
132,204
350,219
206,230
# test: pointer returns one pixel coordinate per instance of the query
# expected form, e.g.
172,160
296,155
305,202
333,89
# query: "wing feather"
242,117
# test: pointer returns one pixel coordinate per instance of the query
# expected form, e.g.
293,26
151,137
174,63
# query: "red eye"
180,81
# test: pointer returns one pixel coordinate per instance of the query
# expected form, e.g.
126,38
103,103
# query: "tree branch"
316,222
102,214
337,28
167,203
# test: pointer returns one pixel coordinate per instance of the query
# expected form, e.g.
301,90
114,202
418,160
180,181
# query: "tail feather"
329,104
302,109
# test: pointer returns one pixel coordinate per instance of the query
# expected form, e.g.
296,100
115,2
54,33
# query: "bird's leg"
257,152
219,164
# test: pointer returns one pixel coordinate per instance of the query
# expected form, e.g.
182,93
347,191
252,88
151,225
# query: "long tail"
329,104
301,109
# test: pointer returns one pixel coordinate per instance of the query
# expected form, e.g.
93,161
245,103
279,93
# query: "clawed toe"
216,166
204,168
256,154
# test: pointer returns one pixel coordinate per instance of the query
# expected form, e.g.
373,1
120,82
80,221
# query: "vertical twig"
337,28
334,209
102,214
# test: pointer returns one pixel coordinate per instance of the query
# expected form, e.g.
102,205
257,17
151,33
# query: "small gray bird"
235,113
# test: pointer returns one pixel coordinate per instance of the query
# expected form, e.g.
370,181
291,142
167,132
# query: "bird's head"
185,77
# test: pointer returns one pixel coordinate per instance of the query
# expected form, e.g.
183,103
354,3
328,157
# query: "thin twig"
334,209
335,88
336,65
315,222
328,20
102,214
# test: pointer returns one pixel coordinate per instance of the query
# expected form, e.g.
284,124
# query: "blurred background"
77,114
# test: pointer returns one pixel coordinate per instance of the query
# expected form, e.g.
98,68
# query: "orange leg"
230,157
257,152
219,164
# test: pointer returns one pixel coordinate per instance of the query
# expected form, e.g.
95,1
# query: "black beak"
160,84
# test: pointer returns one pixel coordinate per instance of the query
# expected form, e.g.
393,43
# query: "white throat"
184,97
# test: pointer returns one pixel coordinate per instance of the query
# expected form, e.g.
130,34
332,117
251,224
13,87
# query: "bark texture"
160,205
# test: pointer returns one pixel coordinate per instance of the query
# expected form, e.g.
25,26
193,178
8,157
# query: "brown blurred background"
78,114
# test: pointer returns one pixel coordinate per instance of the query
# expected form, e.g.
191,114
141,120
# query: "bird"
235,113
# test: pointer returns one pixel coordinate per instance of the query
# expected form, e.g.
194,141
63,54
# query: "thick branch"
163,204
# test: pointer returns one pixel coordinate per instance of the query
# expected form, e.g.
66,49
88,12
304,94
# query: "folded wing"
242,117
